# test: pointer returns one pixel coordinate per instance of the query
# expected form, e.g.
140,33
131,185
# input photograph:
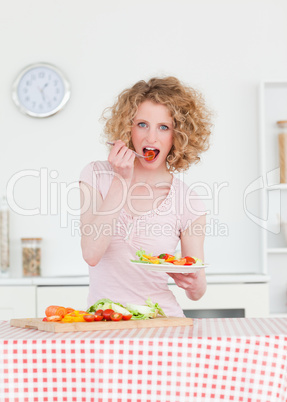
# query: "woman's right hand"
122,160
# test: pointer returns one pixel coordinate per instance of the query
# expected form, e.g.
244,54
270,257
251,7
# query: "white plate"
176,269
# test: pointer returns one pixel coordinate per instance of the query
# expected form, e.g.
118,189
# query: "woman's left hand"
192,240
184,281
194,284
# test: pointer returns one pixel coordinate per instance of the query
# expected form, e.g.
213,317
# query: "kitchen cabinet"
30,297
17,301
251,298
273,108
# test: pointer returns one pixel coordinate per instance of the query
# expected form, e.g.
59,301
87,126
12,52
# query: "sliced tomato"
89,317
99,312
98,317
45,319
107,313
149,155
116,316
189,260
127,317
181,261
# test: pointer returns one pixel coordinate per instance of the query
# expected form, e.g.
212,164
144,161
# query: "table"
221,359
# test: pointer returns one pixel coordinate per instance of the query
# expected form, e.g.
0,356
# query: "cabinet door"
253,298
17,302
67,296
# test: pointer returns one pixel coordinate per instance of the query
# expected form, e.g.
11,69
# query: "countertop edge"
84,280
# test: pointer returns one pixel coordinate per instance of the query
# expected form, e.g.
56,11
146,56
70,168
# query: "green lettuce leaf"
139,312
102,304
155,306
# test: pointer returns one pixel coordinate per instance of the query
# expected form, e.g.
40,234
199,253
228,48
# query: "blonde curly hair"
191,118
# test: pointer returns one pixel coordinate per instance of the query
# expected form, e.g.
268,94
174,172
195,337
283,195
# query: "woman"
131,203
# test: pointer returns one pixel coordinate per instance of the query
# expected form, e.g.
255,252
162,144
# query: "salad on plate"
167,259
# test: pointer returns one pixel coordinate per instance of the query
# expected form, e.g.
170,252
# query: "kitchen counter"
238,359
35,294
84,280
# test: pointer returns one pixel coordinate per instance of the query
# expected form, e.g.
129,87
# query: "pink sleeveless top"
157,231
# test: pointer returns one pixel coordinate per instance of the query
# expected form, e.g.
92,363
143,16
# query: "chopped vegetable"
181,261
107,314
102,304
170,258
190,261
130,312
98,317
106,309
127,317
54,318
140,253
119,309
116,316
155,305
89,317
75,316
166,258
149,155
69,309
55,310
140,312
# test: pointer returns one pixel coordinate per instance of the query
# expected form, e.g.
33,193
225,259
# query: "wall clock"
41,90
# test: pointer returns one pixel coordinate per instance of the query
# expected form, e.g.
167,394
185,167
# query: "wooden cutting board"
37,323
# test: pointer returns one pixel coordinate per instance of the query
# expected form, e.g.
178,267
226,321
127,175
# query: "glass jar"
31,256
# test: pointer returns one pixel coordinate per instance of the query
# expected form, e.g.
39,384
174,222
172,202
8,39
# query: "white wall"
223,48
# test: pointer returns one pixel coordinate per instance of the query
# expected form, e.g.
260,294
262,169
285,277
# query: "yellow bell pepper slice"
154,260
147,257
169,259
75,316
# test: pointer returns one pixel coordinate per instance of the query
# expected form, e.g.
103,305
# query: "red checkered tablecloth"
223,359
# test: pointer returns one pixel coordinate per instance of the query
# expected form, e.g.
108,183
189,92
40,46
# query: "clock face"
41,90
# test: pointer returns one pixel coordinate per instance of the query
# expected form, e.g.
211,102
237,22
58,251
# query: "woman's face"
152,129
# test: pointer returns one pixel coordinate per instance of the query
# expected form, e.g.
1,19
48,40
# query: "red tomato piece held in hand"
107,314
98,317
116,316
127,317
89,317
